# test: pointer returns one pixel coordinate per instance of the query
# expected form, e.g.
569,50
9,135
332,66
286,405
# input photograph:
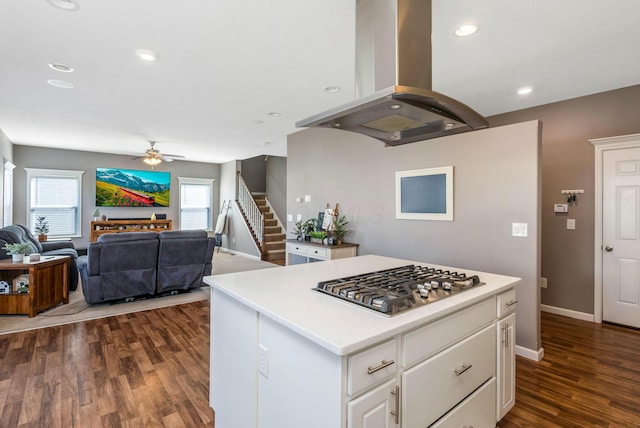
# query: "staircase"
273,245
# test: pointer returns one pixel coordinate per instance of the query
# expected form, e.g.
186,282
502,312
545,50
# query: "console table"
48,285
314,252
116,226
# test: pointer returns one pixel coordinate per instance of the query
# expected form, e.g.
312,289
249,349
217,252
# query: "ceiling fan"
153,157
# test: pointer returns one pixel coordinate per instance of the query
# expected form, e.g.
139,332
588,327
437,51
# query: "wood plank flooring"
589,377
151,369
141,369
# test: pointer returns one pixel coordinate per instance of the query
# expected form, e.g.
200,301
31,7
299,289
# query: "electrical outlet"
543,282
263,361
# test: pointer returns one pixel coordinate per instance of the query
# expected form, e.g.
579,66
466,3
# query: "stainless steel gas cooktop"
398,289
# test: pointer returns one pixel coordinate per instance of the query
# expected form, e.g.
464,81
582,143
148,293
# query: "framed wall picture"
425,194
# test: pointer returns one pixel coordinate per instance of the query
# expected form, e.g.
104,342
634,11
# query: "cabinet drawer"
472,412
446,379
296,249
426,341
317,252
506,303
371,366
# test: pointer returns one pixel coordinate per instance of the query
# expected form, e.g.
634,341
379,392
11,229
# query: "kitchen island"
283,355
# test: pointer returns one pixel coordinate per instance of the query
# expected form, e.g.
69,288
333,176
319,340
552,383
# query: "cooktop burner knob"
446,285
424,293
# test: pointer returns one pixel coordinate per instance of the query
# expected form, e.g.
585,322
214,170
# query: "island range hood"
394,101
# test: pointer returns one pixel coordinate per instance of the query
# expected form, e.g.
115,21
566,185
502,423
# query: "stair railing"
250,208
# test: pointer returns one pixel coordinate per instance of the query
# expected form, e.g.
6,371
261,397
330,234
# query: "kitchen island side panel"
301,372
234,338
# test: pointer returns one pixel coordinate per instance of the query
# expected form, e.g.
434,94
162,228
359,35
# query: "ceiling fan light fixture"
153,161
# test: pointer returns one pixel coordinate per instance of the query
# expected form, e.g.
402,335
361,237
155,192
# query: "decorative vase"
42,238
17,257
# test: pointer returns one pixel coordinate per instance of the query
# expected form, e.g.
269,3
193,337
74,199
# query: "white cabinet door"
506,365
373,409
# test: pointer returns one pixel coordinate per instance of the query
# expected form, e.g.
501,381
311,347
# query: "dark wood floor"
589,377
152,369
147,368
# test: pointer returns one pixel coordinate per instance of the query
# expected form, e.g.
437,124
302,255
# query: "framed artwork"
425,194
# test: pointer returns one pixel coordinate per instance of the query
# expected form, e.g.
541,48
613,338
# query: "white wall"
496,183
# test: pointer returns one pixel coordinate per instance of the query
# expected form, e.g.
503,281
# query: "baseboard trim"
530,354
568,313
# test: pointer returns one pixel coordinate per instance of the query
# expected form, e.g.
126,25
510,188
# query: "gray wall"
254,171
568,162
37,157
276,185
496,183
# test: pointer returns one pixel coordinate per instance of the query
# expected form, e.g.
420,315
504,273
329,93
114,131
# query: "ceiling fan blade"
138,157
164,158
173,156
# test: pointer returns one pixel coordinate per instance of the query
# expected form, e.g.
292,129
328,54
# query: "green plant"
339,227
318,234
42,225
309,226
17,248
298,228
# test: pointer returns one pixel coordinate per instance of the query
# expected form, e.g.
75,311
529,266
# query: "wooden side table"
48,285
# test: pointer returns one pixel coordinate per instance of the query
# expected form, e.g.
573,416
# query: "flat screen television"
117,187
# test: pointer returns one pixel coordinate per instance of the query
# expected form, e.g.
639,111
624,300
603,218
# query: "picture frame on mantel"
425,194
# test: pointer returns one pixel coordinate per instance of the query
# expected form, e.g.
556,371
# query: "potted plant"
318,236
339,229
17,250
298,229
42,228
308,227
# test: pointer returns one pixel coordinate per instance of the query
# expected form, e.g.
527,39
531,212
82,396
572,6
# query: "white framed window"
196,203
7,202
57,195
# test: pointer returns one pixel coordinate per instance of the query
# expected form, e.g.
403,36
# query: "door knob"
608,248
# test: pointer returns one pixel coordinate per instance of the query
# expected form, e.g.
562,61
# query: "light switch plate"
299,217
289,217
307,198
519,230
571,223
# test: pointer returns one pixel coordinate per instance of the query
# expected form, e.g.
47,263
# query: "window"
56,195
196,196
7,203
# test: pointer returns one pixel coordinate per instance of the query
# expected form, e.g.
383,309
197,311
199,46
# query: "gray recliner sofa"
126,265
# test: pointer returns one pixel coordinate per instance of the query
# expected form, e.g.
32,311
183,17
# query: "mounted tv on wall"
117,187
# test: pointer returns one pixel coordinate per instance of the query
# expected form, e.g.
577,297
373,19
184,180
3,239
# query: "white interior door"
621,236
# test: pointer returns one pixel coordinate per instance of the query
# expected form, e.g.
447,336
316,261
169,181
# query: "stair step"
273,255
268,215
264,208
268,222
270,237
273,246
268,230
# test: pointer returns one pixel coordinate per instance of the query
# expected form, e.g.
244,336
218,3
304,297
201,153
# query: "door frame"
601,145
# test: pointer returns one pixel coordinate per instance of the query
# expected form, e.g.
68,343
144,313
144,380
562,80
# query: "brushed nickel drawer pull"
511,303
464,368
371,370
396,413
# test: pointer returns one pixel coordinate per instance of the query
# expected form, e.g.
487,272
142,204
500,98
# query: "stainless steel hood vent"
394,101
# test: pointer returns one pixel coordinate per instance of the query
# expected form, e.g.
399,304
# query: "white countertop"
285,295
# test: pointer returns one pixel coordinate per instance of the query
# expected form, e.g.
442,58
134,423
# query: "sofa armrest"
56,245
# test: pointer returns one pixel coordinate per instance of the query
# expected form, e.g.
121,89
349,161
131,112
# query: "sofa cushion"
183,258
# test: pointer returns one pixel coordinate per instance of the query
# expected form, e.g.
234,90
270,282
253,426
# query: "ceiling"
223,66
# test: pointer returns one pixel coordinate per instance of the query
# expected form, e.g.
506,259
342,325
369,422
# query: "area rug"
78,310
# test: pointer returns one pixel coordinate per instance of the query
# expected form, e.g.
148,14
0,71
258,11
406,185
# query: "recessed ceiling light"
332,89
61,67
147,54
274,114
60,84
64,4
466,30
525,90
256,121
